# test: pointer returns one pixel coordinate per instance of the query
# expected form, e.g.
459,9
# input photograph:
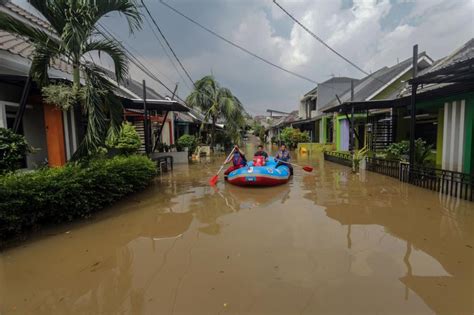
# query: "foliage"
188,141
54,195
62,95
127,142
218,103
259,131
401,151
292,136
13,148
73,24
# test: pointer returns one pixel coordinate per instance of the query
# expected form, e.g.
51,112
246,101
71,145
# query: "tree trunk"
76,77
213,130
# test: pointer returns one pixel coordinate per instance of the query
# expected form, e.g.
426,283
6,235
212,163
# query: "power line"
137,62
167,43
325,44
131,49
167,54
237,45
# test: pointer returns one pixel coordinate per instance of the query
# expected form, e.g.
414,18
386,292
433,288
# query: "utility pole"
145,120
414,87
351,132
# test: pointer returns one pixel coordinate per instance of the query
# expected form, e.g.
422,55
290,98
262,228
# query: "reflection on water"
328,242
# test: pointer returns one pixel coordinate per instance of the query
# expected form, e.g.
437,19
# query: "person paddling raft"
238,160
283,155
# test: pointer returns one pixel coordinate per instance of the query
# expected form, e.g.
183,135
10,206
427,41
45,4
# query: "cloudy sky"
372,33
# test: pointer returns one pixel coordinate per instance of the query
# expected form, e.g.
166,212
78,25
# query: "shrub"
401,151
188,141
127,142
74,191
13,148
292,136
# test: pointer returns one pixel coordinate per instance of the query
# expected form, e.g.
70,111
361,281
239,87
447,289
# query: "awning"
152,104
459,72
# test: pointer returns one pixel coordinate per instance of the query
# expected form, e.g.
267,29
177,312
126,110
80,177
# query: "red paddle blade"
213,180
308,168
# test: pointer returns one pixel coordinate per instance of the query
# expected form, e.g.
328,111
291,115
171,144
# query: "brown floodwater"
328,242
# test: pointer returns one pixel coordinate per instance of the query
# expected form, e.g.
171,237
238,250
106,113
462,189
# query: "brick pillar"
53,120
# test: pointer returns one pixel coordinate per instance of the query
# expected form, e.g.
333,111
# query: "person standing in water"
283,155
238,160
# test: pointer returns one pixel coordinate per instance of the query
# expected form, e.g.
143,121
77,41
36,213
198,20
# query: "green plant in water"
187,141
127,142
292,136
401,151
73,25
13,148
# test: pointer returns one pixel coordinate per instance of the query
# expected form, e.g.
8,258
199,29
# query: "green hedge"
56,195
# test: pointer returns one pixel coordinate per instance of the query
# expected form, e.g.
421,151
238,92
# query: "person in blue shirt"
283,155
238,160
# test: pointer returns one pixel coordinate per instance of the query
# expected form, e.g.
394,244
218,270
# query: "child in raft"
238,160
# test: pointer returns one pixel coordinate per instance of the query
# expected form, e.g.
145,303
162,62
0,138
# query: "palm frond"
115,51
129,8
53,11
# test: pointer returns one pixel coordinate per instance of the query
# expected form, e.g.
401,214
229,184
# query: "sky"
371,33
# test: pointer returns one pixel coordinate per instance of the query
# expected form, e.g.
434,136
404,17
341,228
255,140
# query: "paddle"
214,178
306,168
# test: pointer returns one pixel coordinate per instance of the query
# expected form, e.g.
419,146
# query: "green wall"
469,136
389,90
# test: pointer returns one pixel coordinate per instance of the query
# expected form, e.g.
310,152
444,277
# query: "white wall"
453,135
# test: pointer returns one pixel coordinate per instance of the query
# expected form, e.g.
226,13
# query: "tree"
259,131
218,103
73,28
292,136
128,141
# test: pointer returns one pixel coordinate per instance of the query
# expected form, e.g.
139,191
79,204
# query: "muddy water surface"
329,242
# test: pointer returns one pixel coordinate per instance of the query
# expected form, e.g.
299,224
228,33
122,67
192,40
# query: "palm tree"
73,35
217,103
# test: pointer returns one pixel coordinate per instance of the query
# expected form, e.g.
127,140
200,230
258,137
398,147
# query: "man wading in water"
282,156
238,160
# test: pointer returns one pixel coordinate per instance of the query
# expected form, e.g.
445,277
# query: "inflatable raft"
255,175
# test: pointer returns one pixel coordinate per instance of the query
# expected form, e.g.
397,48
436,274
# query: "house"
375,128
444,110
56,134
311,119
446,93
278,125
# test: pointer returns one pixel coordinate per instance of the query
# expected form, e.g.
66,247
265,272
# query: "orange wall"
53,120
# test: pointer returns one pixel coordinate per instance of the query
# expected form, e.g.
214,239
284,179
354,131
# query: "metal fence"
386,167
455,184
338,157
460,185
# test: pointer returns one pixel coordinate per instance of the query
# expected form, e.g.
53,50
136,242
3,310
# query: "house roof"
456,67
291,117
20,46
371,85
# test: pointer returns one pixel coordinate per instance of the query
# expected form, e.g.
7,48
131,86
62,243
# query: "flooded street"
328,242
